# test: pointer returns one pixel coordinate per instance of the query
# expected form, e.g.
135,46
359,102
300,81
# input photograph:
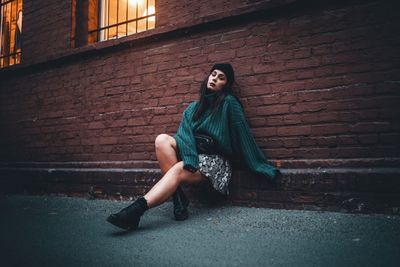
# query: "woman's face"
216,80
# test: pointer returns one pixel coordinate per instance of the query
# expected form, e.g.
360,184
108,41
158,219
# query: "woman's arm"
245,142
185,141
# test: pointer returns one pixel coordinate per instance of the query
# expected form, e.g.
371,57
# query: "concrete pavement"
64,231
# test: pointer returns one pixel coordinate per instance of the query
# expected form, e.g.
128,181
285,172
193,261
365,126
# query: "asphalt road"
63,231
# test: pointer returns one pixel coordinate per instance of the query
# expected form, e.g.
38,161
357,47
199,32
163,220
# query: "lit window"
10,32
119,18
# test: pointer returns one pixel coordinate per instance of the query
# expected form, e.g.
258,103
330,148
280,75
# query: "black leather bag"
205,144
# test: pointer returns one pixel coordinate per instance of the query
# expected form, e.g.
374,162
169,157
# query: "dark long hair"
221,94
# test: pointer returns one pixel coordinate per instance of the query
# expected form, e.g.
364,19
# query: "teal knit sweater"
230,130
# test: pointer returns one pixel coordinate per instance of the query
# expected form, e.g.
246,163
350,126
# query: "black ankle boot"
128,218
180,205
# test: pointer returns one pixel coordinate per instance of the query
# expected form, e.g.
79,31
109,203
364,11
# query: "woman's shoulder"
232,101
191,106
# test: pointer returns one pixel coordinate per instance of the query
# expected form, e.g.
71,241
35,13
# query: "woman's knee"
162,140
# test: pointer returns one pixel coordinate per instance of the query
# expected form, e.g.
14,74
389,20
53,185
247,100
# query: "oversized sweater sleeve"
245,142
185,140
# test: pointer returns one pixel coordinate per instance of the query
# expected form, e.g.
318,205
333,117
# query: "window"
119,18
10,32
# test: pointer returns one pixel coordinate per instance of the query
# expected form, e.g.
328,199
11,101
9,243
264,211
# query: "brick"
294,130
391,138
96,125
136,122
271,99
302,53
257,121
303,63
292,119
363,127
233,35
368,139
291,142
222,56
308,107
246,51
288,98
326,129
273,109
268,67
347,139
275,120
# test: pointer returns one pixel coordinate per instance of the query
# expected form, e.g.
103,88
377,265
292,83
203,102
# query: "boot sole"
181,217
114,221
185,213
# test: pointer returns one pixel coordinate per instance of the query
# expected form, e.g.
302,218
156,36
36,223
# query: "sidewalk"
62,231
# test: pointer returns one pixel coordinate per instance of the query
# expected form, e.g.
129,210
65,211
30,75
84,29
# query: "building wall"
319,82
315,83
46,29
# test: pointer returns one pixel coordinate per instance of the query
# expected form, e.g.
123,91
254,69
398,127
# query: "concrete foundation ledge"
345,189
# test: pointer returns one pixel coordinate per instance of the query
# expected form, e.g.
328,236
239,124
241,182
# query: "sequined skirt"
218,170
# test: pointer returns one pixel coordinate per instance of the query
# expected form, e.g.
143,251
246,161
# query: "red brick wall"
46,29
317,82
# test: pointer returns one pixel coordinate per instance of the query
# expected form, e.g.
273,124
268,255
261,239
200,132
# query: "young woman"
213,131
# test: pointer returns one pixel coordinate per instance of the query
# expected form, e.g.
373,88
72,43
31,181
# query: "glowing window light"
120,18
10,32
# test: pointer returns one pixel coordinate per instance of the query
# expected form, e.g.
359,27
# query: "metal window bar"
137,15
8,37
126,16
147,14
116,28
108,17
105,28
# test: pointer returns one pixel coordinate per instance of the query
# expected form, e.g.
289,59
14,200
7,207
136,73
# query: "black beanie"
227,69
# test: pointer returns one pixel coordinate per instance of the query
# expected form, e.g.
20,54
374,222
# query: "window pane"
142,5
123,14
6,33
18,33
132,9
112,33
12,60
18,59
13,28
122,11
141,25
151,22
102,35
122,30
112,19
132,27
104,12
152,7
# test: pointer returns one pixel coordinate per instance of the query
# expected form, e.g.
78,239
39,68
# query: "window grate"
10,32
120,18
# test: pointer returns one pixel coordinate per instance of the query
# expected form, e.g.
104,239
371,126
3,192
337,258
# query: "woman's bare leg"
128,218
173,171
166,150
167,185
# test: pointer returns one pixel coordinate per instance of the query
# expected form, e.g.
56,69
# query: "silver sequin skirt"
218,170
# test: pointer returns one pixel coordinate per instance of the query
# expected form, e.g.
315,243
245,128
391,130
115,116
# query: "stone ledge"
150,164
363,190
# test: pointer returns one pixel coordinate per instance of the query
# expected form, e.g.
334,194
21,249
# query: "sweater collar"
210,96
